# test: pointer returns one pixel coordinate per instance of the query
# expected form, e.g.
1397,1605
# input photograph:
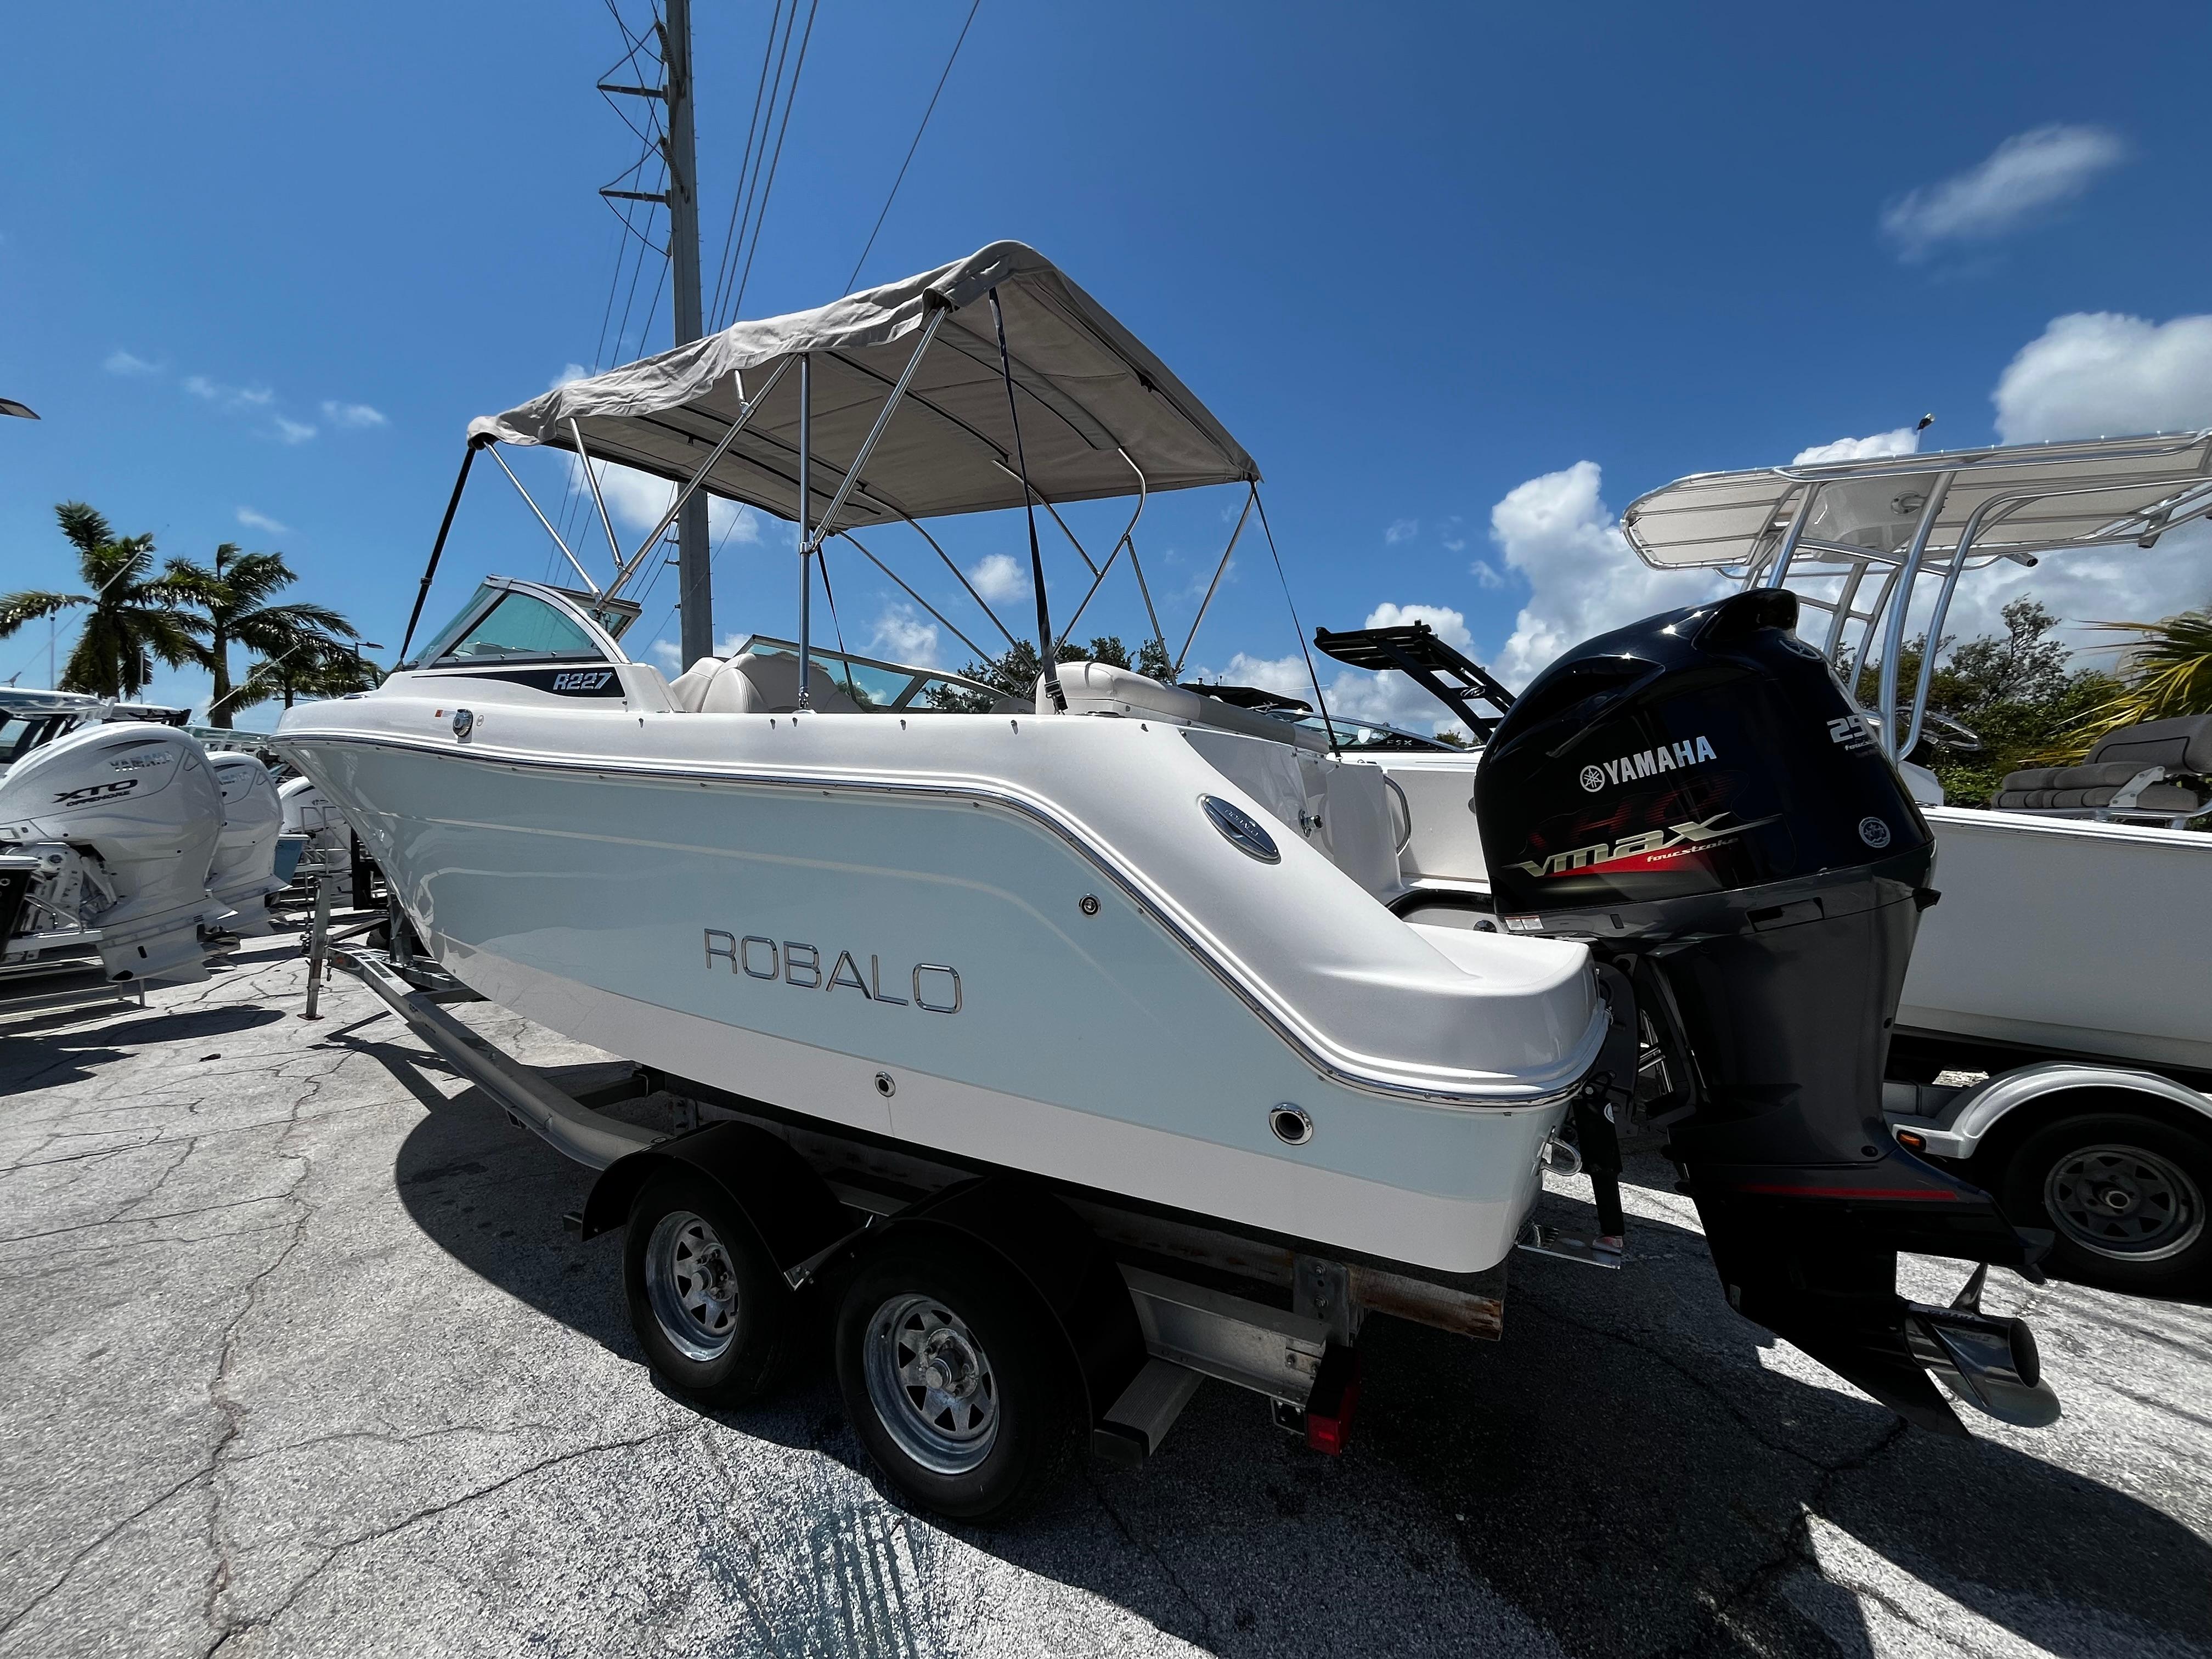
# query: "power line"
973,7
746,159
790,99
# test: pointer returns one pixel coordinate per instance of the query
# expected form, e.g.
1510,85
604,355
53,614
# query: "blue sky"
1465,280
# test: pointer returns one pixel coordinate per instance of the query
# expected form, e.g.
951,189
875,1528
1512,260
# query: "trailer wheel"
952,1379
2125,1193
714,1317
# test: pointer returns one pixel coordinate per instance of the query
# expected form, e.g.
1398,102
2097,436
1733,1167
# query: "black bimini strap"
437,548
1046,651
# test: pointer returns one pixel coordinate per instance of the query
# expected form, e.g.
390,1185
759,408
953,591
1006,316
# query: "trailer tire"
2125,1195
954,1377
714,1317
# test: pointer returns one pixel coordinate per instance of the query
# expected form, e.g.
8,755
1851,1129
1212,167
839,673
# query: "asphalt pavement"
301,1359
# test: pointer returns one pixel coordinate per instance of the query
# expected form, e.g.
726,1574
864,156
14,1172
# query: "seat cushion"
1099,688
2185,744
768,684
2033,777
688,689
2168,798
2108,774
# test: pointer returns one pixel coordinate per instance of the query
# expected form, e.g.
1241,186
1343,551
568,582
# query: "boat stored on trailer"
1130,940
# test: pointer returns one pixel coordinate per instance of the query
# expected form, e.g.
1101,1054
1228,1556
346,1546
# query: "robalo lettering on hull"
935,987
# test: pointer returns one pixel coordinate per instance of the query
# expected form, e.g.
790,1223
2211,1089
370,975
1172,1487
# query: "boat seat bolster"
2180,745
1099,688
688,690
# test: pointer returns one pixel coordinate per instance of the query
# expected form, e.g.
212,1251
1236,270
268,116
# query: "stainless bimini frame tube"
1987,512
1891,611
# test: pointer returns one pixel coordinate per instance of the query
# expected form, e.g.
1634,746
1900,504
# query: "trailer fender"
795,1210
1962,1127
1051,1250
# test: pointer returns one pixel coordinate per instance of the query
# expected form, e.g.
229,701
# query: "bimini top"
2008,502
1096,406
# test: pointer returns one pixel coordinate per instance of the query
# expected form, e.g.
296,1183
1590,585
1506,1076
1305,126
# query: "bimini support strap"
1046,648
1206,604
438,547
1296,626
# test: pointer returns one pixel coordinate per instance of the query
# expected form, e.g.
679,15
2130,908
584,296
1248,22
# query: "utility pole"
694,590
695,579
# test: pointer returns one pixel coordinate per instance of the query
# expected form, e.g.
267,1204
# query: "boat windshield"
886,685
1370,737
21,733
518,627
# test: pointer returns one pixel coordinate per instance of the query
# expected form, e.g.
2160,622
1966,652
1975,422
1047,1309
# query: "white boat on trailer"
1127,950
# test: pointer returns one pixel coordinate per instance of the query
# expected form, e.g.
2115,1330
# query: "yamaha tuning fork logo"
1649,762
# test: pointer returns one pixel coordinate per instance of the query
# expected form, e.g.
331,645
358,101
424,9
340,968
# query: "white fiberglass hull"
2068,934
967,963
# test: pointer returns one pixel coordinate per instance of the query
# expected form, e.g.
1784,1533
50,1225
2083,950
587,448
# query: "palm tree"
134,618
314,668
2167,671
236,595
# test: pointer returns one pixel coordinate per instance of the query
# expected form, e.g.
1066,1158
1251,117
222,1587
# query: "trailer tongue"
1697,796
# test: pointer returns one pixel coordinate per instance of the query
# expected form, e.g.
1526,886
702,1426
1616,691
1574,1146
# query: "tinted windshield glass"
19,736
1365,735
518,626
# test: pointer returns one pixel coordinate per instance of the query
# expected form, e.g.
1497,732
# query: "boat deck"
302,1356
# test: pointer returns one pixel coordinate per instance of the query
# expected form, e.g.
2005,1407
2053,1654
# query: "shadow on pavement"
50,1058
1621,1472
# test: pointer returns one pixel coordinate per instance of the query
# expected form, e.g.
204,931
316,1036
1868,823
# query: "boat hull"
2066,934
936,966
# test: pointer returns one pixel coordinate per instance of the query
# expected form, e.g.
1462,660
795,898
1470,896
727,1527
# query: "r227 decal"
600,681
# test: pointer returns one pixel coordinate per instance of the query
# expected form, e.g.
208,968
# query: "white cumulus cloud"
2027,175
1402,530
356,416
1388,696
636,500
293,432
120,362
998,577
2092,374
1558,533
253,520
1905,441
229,396
903,636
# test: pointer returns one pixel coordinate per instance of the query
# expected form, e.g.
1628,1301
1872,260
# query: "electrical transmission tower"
679,148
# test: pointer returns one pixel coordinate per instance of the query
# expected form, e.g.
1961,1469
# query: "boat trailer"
1256,1311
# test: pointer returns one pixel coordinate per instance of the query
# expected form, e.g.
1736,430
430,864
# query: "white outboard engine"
244,872
123,820
308,811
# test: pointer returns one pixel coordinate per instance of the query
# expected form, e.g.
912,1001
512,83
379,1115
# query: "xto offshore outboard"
109,831
1698,796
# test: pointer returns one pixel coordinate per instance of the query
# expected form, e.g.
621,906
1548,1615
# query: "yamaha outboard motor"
1697,796
120,820
243,873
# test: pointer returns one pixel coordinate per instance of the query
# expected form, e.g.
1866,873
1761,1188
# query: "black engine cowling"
1698,796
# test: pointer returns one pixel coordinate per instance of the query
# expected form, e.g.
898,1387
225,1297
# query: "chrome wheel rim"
692,1287
2124,1203
931,1384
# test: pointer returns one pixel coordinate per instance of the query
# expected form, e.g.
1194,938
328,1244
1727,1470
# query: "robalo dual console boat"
1009,1010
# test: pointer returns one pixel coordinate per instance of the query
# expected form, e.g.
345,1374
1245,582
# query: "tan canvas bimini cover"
1087,390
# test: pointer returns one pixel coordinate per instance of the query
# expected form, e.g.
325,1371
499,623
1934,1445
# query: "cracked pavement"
302,1361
